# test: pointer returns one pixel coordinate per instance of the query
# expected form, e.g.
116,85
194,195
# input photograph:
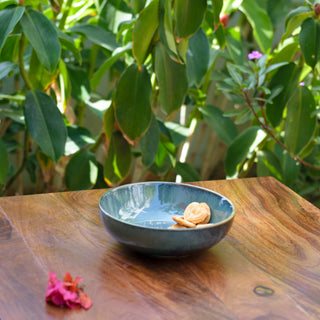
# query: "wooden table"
268,267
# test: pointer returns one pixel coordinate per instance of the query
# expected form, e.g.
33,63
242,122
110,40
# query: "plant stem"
21,64
65,14
23,164
93,59
270,133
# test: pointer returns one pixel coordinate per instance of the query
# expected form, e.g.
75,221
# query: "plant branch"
270,133
23,164
5,126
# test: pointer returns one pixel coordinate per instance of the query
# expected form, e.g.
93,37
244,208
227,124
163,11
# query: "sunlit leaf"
241,148
81,171
269,165
144,30
260,22
133,101
189,15
294,19
78,137
45,123
166,32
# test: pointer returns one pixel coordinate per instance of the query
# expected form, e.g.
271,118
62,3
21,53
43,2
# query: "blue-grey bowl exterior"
138,215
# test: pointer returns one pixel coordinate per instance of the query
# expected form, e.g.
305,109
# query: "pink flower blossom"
255,55
66,292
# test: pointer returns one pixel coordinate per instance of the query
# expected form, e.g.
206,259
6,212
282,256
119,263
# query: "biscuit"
197,213
183,222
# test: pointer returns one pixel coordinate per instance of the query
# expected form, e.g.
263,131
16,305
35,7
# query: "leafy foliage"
149,74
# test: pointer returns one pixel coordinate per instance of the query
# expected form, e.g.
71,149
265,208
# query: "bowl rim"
211,225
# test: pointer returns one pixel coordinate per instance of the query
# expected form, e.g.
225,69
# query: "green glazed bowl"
138,216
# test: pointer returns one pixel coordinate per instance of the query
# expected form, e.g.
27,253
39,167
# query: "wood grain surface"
268,266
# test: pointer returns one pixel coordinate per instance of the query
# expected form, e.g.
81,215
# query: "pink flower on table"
66,292
255,55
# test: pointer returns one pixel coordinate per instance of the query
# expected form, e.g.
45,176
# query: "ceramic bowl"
138,216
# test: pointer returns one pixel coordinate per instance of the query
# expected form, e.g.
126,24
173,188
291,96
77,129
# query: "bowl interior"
152,204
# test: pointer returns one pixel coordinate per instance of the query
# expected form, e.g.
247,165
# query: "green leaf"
300,122
241,148
80,85
197,58
235,75
10,49
78,137
290,167
132,101
6,67
118,161
9,17
137,5
260,22
216,8
189,15
39,76
220,35
177,132
4,162
67,43
43,37
108,121
187,172
99,107
97,35
166,32
223,126
45,123
286,53
172,79
287,79
144,30
162,161
309,39
81,171
116,54
234,46
6,3
294,19
149,143
269,165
